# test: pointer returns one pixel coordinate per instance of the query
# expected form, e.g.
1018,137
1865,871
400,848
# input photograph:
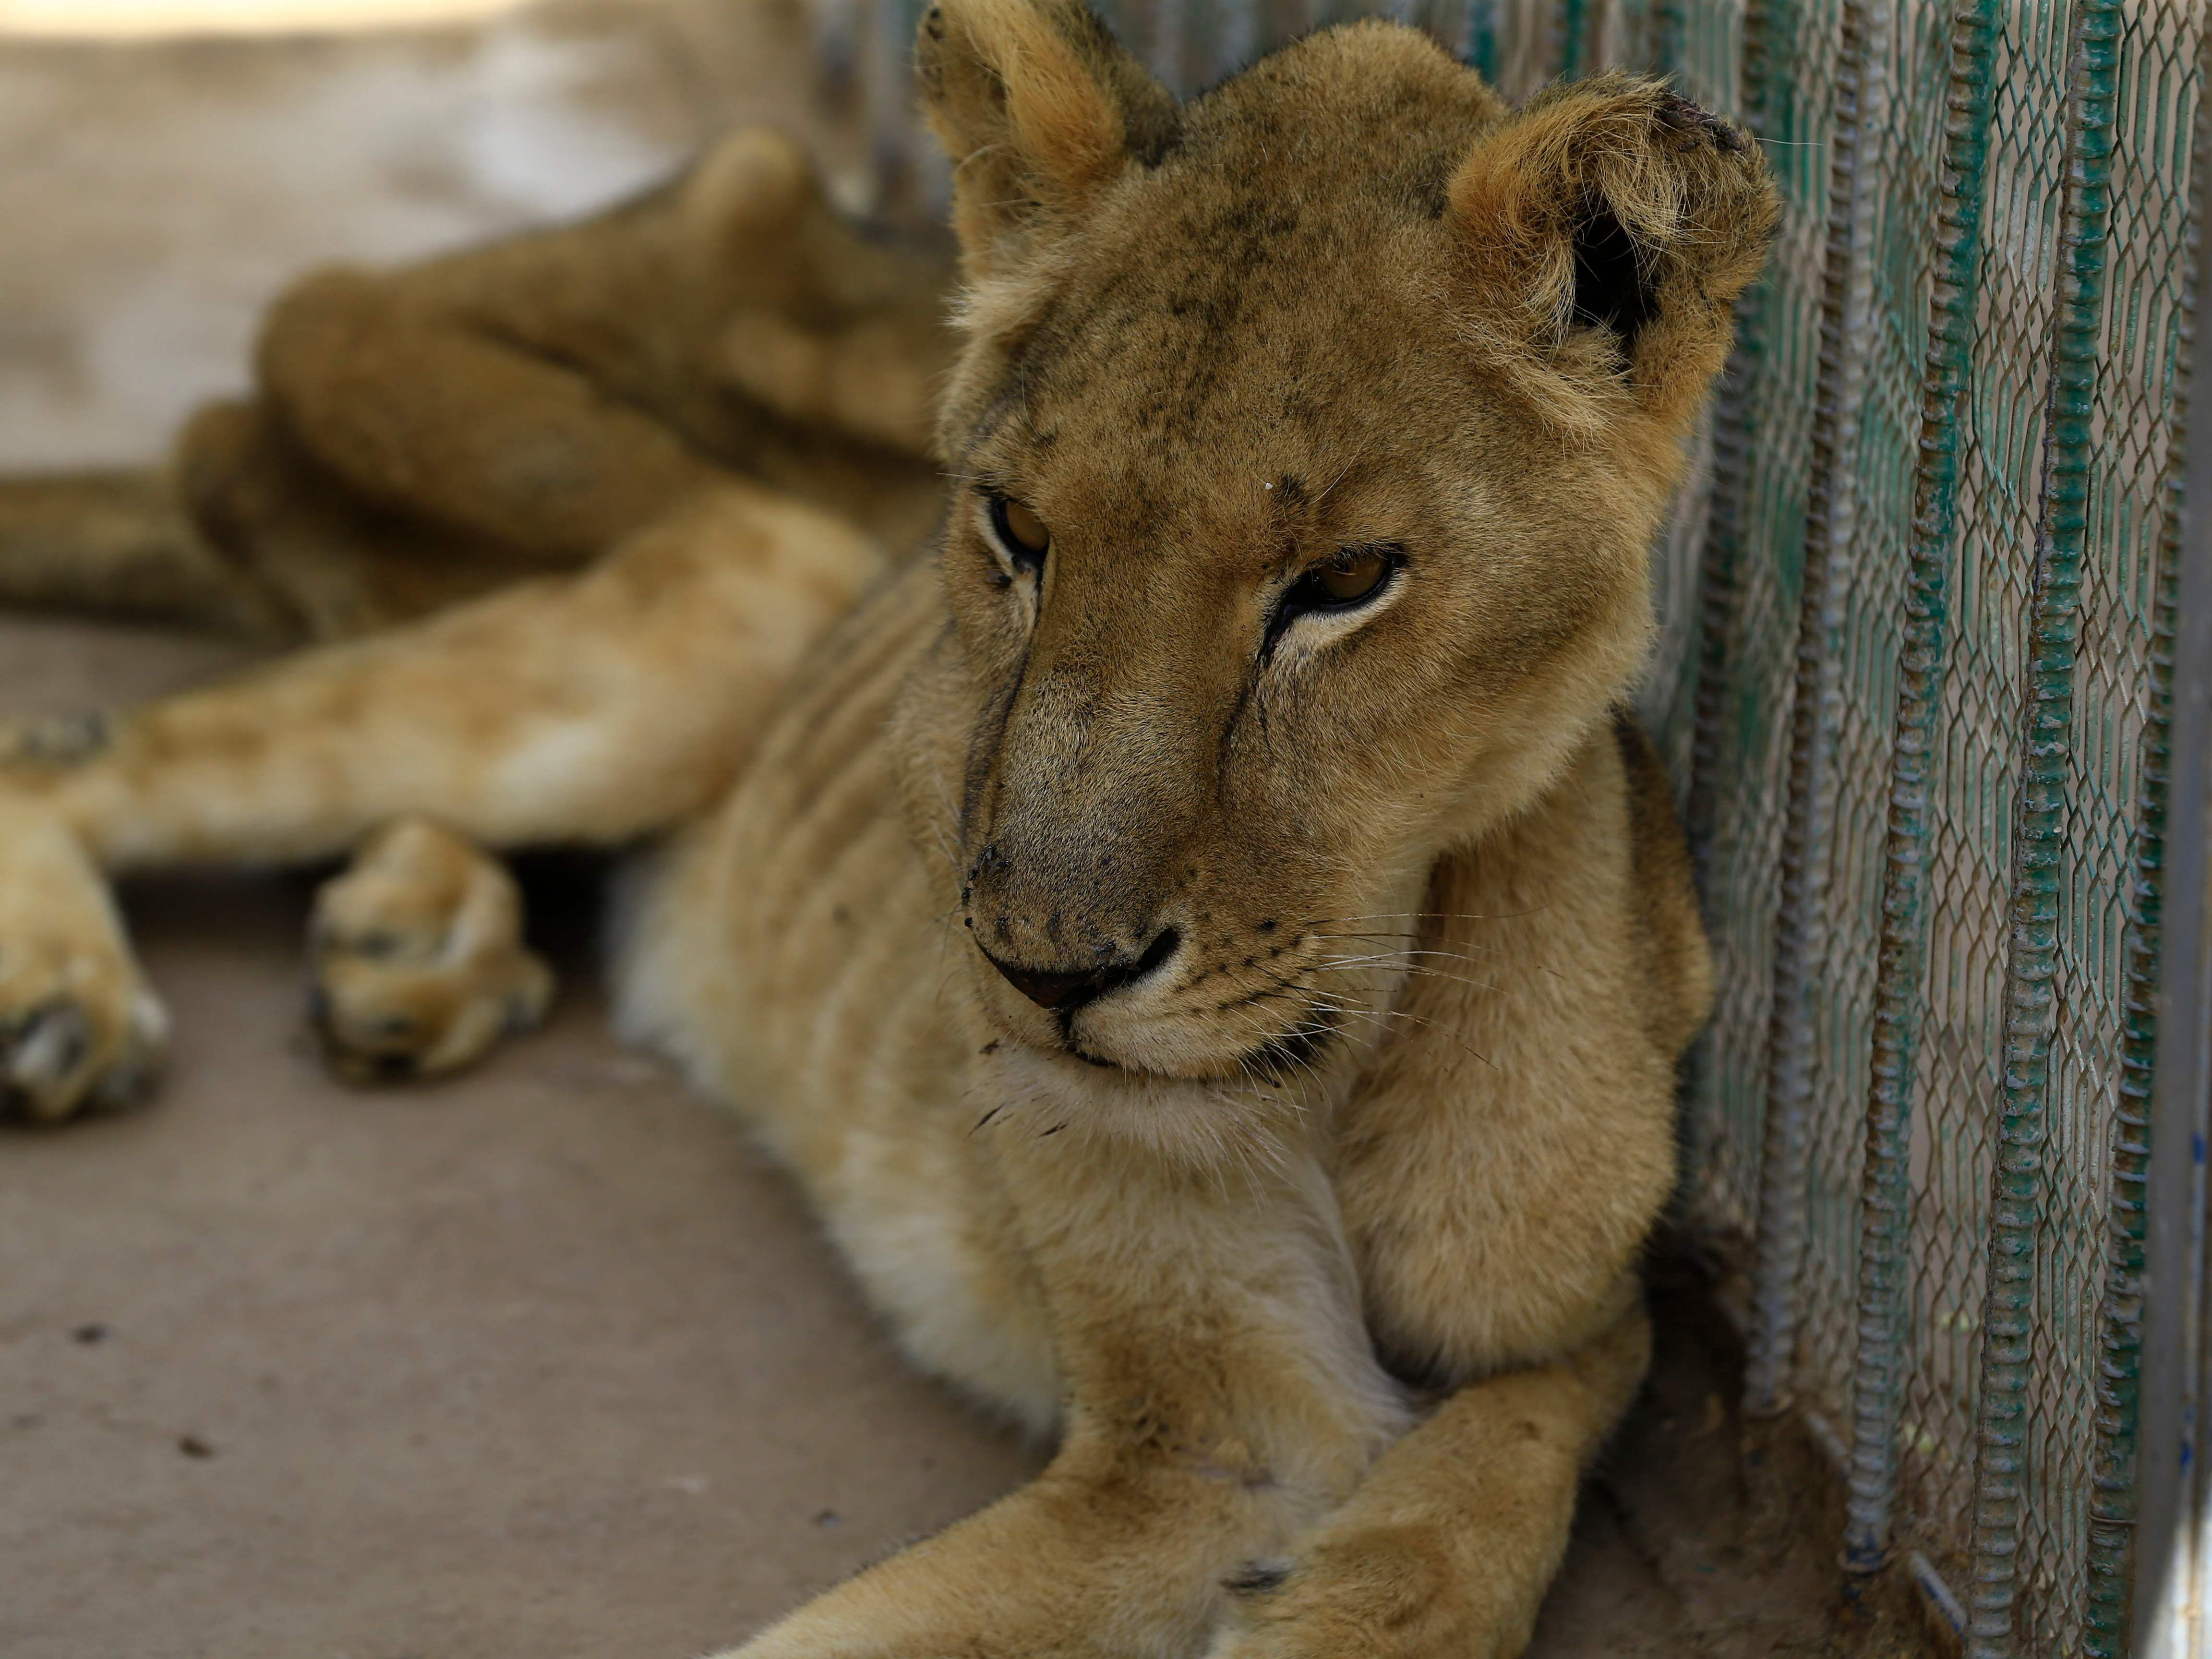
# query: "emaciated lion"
1207,936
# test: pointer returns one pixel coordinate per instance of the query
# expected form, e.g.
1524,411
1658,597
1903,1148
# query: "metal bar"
1481,47
1765,68
2038,849
1574,30
1718,586
1861,98
1878,1381
1627,27
1768,62
891,93
1666,35
1235,36
2172,1588
1170,30
2114,1505
833,32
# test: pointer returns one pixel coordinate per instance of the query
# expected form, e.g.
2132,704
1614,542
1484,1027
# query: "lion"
1206,933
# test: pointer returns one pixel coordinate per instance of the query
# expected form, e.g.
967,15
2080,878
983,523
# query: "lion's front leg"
1220,1395
1101,1555
1446,1550
418,962
79,1026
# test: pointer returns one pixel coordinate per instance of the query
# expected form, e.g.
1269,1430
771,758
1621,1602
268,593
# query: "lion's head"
1309,441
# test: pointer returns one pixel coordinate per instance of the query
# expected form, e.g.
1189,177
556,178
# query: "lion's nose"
1058,988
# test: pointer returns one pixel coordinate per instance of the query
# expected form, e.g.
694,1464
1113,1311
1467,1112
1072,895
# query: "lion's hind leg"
418,963
589,709
585,710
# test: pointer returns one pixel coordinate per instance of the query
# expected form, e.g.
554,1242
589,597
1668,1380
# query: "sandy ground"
545,1360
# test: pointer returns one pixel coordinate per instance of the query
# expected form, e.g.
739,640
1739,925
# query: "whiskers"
1326,1005
1359,981
1380,1018
1399,961
1429,915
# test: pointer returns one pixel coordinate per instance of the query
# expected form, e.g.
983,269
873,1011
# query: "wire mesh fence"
1913,674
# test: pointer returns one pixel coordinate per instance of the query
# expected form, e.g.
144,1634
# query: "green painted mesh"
1979,734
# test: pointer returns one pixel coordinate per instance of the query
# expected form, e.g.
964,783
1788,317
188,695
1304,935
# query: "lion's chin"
1194,1118
1139,1058
1186,1051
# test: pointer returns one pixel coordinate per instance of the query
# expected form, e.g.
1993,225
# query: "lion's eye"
1346,583
1019,531
1354,576
1356,573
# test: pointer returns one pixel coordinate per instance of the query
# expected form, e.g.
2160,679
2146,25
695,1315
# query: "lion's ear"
1606,231
1038,108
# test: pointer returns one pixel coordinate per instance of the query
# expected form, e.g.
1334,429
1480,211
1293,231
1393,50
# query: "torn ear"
1607,230
1038,108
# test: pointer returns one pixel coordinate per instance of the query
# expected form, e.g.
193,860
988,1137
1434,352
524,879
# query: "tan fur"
419,962
421,436
1313,1235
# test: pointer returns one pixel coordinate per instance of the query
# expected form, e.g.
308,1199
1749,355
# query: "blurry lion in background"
1205,933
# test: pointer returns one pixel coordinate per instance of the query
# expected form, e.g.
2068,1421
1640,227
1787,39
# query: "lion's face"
1270,581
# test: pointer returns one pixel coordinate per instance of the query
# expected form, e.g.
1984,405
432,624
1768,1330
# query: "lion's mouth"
1065,1023
1276,1060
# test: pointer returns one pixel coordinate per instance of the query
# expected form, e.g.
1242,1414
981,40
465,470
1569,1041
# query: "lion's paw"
418,963
79,1029
1376,1590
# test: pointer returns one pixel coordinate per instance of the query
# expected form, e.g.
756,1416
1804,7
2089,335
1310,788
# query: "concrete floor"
544,1360
541,1361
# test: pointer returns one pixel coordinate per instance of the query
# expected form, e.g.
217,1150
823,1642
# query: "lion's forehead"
1247,275
1275,362
1259,303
